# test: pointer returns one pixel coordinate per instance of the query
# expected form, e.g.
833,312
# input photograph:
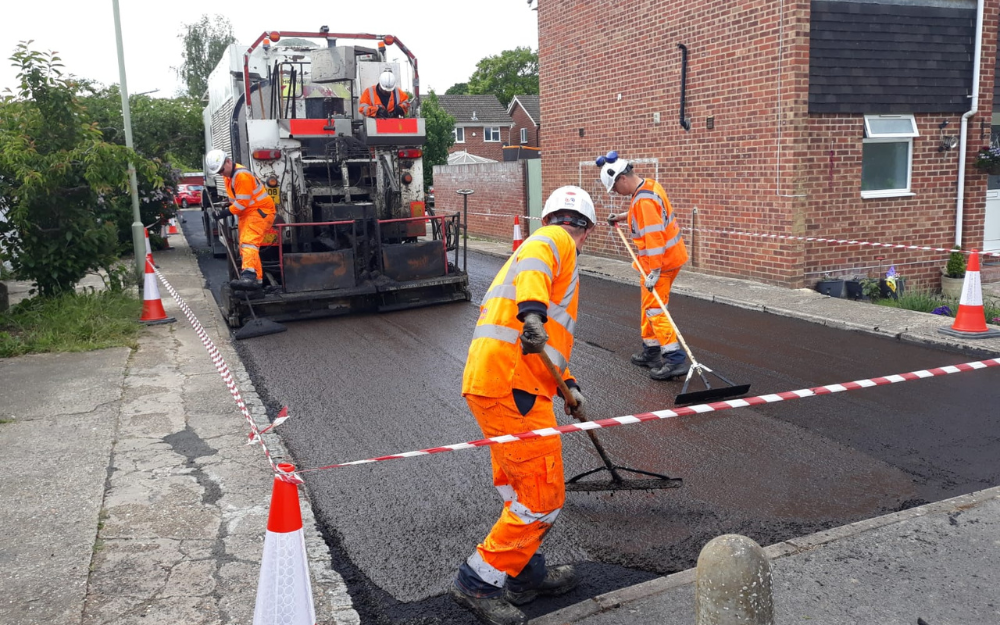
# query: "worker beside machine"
531,307
383,99
254,209
661,253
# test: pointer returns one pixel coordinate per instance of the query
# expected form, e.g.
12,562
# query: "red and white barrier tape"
227,376
900,246
679,412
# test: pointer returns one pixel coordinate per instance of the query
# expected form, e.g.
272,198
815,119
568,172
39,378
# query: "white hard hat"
611,171
570,198
387,80
214,161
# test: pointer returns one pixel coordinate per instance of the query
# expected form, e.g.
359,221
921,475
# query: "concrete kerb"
332,601
618,598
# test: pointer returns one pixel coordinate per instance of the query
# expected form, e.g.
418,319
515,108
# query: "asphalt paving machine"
352,232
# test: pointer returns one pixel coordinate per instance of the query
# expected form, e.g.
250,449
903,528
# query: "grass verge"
927,302
70,323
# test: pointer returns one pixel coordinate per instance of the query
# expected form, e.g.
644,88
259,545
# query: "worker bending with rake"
254,209
530,308
661,253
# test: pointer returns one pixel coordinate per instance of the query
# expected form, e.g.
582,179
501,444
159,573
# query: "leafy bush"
54,169
956,264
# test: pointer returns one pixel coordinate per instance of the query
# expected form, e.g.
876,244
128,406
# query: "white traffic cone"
284,593
152,306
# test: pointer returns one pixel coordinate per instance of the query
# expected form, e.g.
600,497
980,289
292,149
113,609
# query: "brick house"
527,117
832,119
482,126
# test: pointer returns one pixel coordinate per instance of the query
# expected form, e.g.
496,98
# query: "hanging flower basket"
988,160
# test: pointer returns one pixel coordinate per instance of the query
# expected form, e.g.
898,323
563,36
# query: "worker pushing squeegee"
661,253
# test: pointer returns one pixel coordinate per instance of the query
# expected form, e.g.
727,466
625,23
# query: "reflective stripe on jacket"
655,232
370,102
246,192
542,270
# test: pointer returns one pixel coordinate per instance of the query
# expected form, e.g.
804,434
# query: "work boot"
675,365
650,356
494,610
558,580
246,282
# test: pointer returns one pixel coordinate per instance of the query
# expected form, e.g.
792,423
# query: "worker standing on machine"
383,99
254,209
661,252
530,307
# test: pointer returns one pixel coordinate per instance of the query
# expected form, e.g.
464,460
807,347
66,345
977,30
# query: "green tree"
510,73
439,126
57,175
204,43
459,88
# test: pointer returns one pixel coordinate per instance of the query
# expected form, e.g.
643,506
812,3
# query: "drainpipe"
963,142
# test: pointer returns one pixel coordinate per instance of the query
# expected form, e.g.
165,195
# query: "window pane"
881,126
993,182
884,165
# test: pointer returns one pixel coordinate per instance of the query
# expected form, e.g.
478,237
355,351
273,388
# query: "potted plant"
870,288
988,160
892,285
853,288
953,275
828,285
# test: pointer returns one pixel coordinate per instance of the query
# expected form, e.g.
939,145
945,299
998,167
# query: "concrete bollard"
733,583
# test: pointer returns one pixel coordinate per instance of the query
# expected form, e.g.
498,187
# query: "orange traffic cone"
518,239
152,307
173,226
284,593
970,321
149,250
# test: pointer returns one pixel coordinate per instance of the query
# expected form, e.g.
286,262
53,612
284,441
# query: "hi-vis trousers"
529,476
656,328
252,226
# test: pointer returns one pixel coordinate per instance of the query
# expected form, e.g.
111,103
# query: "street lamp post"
138,234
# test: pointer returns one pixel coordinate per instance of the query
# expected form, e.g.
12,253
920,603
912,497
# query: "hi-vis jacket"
655,232
247,193
540,277
370,101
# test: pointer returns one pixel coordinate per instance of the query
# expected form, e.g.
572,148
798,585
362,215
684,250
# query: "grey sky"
448,37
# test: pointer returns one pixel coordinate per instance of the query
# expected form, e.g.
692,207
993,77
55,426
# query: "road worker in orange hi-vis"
252,206
661,252
384,99
531,307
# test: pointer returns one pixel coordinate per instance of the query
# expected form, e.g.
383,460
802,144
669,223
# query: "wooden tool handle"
567,395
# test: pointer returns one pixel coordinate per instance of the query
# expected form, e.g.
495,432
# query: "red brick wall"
499,195
766,165
523,120
474,143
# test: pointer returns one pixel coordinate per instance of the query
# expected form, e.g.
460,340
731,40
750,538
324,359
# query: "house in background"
482,126
782,121
527,117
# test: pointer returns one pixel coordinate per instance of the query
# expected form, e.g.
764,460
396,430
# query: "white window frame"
880,136
524,135
458,132
489,131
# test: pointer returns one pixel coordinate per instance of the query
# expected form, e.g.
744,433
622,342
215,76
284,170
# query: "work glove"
533,335
652,278
613,219
220,214
580,410
381,113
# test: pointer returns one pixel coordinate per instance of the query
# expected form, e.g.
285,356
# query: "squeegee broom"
617,482
729,391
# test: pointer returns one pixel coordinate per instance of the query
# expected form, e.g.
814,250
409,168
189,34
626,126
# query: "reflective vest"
246,192
655,232
542,270
370,102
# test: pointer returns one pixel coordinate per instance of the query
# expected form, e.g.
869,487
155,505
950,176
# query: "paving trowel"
686,398
617,482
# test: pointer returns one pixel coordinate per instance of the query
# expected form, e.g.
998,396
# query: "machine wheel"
230,312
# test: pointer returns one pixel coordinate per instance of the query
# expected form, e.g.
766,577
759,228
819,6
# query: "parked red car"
188,195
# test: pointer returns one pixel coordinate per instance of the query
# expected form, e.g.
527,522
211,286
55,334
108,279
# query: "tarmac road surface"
370,385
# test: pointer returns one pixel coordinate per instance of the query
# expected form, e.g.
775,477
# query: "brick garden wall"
499,195
754,159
